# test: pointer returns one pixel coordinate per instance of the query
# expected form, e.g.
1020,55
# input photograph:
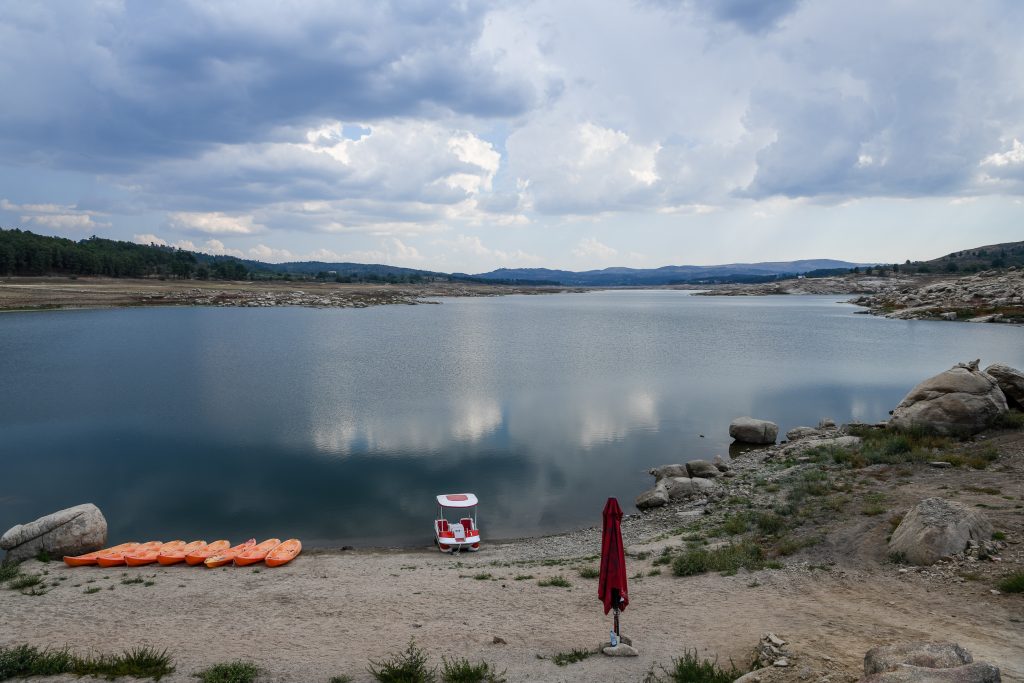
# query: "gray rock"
948,315
73,531
928,655
797,433
961,400
660,473
652,498
620,650
750,430
827,423
721,463
702,469
936,528
679,488
994,318
1010,381
979,672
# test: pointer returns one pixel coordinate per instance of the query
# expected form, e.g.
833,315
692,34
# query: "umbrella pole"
617,621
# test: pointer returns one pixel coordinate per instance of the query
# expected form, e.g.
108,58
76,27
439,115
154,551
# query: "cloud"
262,252
213,223
57,217
590,248
473,246
750,15
149,238
236,71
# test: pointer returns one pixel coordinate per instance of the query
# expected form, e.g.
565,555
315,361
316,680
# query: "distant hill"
612,277
979,258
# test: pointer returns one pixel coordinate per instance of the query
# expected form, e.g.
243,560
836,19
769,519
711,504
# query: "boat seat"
467,523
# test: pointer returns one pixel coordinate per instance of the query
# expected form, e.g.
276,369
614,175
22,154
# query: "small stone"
995,592
774,640
780,662
941,464
904,571
498,640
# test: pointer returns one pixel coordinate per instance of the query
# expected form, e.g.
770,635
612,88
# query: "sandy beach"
331,611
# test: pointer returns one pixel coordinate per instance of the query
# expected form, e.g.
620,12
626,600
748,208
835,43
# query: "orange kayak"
117,557
257,552
177,554
90,558
225,556
140,557
284,553
200,554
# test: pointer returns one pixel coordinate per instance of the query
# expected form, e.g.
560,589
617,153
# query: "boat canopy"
457,500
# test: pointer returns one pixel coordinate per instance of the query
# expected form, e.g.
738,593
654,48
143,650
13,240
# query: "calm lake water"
340,426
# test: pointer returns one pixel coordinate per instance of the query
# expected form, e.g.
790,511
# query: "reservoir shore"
834,595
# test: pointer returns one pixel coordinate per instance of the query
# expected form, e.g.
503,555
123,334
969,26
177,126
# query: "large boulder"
660,473
750,430
961,400
74,531
702,469
1010,381
679,488
652,498
936,528
920,662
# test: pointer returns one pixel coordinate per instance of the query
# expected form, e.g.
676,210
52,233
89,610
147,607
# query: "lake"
340,426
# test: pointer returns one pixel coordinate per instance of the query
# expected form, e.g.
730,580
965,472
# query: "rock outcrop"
925,662
660,473
1010,381
73,531
652,498
702,469
937,528
975,296
961,400
672,484
750,430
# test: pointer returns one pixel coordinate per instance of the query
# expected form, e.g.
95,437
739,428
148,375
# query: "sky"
467,136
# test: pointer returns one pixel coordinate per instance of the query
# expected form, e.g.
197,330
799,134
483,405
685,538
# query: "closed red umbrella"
612,588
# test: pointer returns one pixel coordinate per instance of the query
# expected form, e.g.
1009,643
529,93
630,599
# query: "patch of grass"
147,584
483,576
769,522
1014,583
21,582
24,661
745,554
229,672
90,591
642,555
129,582
590,572
571,657
735,524
1010,420
654,572
407,666
990,490
344,678
524,577
8,571
998,536
874,504
556,581
44,556
664,558
788,545
692,669
463,671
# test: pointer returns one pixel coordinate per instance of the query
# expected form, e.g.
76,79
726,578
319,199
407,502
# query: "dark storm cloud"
102,87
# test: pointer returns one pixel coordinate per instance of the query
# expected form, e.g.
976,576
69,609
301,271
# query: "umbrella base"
622,639
620,650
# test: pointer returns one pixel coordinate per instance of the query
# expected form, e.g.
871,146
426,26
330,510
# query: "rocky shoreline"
26,294
991,296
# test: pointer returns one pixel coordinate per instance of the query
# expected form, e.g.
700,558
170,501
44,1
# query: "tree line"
25,253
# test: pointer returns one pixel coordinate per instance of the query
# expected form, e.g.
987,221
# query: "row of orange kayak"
217,554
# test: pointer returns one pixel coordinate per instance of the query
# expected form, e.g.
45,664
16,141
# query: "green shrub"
9,570
769,522
730,558
571,657
1014,583
735,524
344,678
230,672
462,671
24,661
590,572
408,666
557,581
691,669
483,576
